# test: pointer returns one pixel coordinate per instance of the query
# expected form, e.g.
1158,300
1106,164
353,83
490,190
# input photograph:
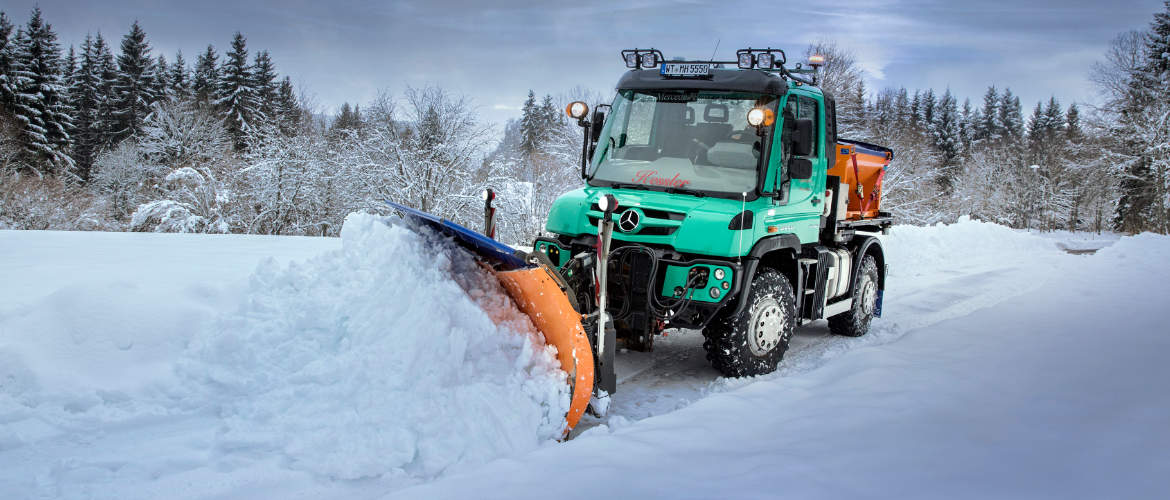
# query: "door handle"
815,201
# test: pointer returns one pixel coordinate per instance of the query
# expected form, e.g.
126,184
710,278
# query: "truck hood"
687,223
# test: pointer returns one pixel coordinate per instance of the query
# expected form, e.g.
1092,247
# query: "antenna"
717,41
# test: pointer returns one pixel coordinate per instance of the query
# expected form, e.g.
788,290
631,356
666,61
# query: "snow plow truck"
717,197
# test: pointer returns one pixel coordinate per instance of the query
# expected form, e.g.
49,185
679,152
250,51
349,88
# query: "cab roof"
735,80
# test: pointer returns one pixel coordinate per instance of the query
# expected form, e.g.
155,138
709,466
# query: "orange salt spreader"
861,167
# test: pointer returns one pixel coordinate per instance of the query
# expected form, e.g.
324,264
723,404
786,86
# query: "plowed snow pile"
395,357
380,358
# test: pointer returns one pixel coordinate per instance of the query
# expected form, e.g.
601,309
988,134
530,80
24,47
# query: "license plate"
686,69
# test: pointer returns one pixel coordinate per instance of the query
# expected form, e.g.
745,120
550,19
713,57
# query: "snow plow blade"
538,293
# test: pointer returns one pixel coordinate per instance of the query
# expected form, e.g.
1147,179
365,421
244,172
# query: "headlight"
607,203
766,60
577,109
714,293
761,117
632,60
755,117
719,274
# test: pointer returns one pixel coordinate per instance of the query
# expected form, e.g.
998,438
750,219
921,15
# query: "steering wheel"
698,150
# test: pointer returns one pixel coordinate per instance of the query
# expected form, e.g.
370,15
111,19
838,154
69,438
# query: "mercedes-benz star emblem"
629,221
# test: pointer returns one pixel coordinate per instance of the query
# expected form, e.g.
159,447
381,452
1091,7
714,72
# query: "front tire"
855,321
754,341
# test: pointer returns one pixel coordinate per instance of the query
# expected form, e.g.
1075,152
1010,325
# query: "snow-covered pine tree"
86,99
902,107
264,81
106,71
205,81
7,51
41,100
927,108
236,99
530,125
162,78
947,137
349,119
1072,120
916,108
69,68
1036,127
134,88
288,110
1011,117
991,126
968,120
179,79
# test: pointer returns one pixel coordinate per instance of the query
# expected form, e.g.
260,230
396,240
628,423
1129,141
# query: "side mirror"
802,143
800,168
596,124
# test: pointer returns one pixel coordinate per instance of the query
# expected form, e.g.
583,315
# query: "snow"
1046,387
168,365
393,359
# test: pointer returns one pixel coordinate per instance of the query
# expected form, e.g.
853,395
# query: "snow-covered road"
1003,367
1024,380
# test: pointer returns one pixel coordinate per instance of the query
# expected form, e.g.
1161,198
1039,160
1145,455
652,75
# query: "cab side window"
807,109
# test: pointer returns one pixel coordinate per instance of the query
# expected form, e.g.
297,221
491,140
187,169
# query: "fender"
869,245
751,262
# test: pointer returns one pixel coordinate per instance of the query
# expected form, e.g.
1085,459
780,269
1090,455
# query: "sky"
494,52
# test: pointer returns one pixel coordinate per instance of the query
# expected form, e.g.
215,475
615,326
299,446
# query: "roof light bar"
746,60
768,58
646,58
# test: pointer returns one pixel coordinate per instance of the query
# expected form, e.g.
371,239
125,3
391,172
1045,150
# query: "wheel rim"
767,328
868,297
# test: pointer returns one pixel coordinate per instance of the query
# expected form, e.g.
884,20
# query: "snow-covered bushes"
33,202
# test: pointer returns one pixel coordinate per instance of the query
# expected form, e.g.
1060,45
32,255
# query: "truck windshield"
681,140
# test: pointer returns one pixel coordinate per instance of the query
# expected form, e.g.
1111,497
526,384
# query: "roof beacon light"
765,60
745,60
649,60
816,60
577,109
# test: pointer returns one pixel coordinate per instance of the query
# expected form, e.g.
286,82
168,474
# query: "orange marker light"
773,229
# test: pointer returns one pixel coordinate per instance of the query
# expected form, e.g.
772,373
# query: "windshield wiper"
626,185
678,190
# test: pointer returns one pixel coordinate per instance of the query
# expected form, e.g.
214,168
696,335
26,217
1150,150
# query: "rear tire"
754,341
855,322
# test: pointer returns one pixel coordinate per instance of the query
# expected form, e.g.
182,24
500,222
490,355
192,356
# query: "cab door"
799,210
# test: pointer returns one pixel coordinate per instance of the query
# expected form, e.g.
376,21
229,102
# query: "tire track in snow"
679,374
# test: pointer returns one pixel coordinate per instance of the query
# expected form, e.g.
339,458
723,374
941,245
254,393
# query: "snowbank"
139,370
942,248
380,359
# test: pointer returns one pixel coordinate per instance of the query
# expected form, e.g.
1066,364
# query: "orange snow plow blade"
539,295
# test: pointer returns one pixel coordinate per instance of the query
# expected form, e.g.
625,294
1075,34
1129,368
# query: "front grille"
651,215
650,212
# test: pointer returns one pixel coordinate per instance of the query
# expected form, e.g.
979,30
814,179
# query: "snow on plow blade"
537,293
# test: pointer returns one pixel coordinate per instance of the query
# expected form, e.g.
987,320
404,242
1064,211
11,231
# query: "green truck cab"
726,217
